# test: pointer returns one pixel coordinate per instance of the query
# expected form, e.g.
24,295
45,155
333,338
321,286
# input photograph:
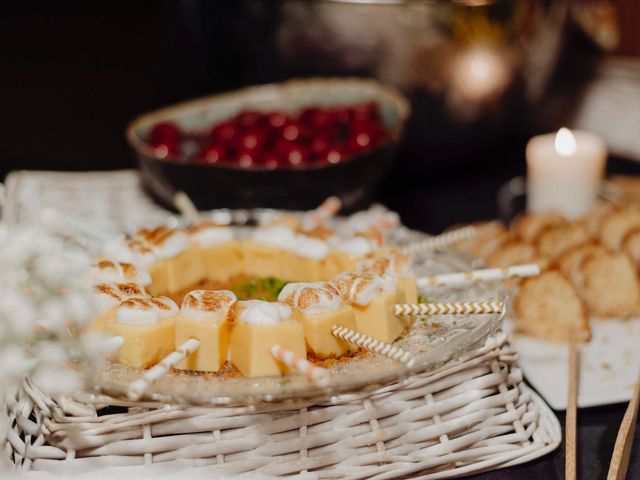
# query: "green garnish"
267,288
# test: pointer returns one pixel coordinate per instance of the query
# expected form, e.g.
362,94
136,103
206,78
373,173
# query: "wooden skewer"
441,241
155,373
570,469
624,440
315,374
458,308
186,207
460,279
373,345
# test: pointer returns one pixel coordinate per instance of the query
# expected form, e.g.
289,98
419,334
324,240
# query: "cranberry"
291,132
319,145
270,160
163,149
340,115
165,132
248,118
364,111
317,118
297,156
253,140
277,119
331,156
246,159
214,153
225,132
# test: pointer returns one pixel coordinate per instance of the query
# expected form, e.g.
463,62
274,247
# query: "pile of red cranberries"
315,136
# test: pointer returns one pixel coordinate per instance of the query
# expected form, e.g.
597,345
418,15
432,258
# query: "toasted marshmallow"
362,289
145,311
164,241
107,271
310,247
259,312
311,297
208,304
357,246
279,236
393,263
208,234
133,251
109,295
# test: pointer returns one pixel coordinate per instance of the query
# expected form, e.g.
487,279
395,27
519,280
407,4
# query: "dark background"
74,74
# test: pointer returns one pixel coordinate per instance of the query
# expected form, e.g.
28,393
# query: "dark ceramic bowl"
227,186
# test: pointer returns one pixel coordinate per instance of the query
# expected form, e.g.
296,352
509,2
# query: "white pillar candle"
564,171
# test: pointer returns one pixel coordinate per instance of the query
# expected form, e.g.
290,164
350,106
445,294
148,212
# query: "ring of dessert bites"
348,278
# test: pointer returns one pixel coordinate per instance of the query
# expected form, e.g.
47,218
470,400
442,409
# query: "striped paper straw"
373,345
458,308
465,278
186,207
155,373
441,241
315,374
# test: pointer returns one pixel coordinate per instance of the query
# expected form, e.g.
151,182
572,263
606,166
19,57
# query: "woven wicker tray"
473,414
468,416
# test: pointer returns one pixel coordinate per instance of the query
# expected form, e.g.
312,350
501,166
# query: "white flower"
45,300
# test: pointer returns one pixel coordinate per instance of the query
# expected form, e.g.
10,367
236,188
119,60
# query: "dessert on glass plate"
223,299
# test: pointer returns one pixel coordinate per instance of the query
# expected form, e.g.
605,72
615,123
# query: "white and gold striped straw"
186,207
155,373
315,374
329,208
456,308
373,345
460,279
441,241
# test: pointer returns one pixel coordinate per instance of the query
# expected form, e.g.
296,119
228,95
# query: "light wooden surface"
570,470
624,440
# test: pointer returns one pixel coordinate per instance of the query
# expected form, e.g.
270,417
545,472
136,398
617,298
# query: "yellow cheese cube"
409,286
302,269
377,319
223,261
100,322
214,342
144,345
251,346
262,260
185,270
159,273
317,331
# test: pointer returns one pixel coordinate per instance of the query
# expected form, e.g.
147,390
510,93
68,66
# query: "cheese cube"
377,319
147,327
318,307
262,260
251,347
203,316
256,327
223,261
317,331
184,270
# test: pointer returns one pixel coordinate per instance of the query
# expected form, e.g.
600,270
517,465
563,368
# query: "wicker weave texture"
470,415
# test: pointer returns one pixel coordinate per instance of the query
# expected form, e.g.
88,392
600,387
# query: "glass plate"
433,341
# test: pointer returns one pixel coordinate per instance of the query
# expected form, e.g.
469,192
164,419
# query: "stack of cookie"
590,267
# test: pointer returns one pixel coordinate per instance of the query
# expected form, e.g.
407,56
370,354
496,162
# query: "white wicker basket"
473,414
470,415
